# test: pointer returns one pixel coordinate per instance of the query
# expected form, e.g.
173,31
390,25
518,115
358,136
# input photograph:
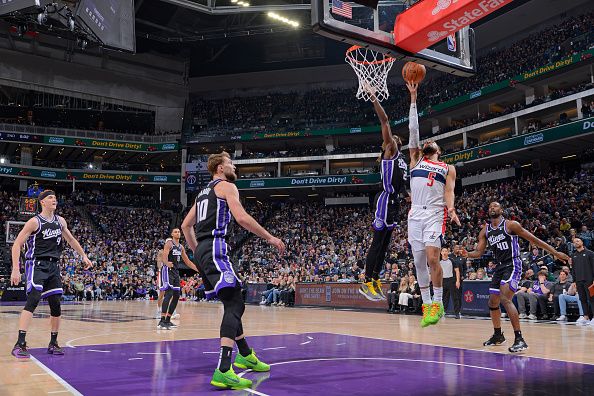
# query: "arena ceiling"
221,37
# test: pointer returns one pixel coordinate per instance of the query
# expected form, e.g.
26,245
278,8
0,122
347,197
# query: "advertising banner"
19,137
521,141
335,295
475,297
308,181
29,172
430,21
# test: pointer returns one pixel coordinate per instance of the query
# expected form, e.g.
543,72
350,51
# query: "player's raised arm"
188,229
449,195
516,229
480,248
414,144
388,143
68,237
29,228
231,194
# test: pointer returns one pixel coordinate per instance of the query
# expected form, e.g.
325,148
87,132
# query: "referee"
449,281
459,264
582,271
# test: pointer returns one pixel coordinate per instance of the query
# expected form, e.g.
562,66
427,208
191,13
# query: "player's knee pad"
423,278
234,308
239,330
493,308
55,306
33,299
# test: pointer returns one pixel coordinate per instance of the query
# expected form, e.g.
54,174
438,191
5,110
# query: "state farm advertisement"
430,21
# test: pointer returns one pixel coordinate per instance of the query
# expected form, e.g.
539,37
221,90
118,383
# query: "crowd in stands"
326,243
329,243
324,108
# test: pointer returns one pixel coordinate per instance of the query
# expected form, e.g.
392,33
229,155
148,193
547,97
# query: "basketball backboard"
373,28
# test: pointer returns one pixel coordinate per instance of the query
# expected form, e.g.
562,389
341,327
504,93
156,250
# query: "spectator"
570,296
559,288
537,295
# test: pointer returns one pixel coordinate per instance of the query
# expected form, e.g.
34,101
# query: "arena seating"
326,108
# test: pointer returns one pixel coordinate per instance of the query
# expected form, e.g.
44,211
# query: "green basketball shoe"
251,362
436,312
425,308
229,380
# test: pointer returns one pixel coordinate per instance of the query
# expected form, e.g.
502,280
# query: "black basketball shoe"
496,339
164,325
55,349
519,345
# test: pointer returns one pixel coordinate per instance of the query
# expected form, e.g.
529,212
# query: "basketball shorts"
386,211
426,227
43,275
510,273
216,269
169,279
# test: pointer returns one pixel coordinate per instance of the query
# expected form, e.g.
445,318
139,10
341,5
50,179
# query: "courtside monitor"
378,29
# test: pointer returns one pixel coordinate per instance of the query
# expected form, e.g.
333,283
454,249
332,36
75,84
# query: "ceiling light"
281,18
569,156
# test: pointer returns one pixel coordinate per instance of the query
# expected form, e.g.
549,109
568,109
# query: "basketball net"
372,70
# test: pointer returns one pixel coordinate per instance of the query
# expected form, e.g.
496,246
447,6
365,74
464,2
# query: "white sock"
426,295
437,294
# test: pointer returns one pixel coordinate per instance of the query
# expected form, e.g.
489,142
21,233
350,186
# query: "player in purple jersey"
42,235
501,237
205,229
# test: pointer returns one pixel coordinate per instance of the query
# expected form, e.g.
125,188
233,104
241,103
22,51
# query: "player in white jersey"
432,199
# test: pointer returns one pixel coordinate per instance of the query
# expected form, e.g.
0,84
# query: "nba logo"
452,42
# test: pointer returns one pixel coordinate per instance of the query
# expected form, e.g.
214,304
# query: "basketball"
413,72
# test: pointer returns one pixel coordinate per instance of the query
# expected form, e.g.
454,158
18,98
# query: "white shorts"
426,227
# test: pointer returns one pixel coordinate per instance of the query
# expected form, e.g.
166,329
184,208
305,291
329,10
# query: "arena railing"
67,132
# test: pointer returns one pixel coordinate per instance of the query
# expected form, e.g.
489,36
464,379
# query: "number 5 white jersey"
427,183
428,214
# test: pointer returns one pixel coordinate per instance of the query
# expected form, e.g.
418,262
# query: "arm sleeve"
413,127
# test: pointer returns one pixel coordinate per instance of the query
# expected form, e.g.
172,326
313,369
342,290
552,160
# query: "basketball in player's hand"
413,72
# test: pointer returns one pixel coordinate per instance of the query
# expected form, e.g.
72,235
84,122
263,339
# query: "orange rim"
376,62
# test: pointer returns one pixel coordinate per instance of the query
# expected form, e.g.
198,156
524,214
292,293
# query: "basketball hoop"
372,70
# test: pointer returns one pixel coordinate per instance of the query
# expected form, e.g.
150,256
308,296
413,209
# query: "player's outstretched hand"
412,87
277,243
464,252
370,90
562,256
15,277
454,217
88,263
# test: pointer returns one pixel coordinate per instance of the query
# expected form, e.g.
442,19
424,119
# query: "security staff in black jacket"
582,271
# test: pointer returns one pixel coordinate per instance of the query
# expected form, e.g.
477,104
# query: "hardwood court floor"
98,323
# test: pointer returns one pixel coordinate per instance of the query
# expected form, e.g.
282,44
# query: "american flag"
342,8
